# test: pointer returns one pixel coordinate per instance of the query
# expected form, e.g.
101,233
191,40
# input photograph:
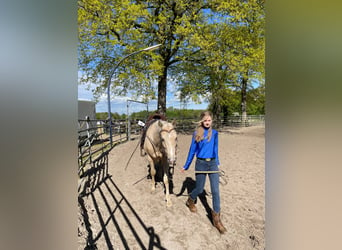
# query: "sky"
119,103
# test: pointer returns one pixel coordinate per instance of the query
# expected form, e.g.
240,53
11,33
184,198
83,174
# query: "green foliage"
104,116
109,30
101,116
171,113
232,48
140,115
256,101
183,113
210,49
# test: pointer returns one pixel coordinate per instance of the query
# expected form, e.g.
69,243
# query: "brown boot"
191,204
218,223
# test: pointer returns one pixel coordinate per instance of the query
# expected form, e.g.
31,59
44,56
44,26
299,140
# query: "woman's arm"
191,154
216,148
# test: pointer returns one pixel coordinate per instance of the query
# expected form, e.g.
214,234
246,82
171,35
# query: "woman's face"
207,121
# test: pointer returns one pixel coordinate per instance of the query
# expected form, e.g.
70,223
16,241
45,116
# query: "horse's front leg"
153,173
167,192
166,183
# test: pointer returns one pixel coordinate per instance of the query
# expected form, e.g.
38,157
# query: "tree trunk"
225,115
244,101
216,109
162,84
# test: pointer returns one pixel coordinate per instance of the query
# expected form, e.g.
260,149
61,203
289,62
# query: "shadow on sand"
159,176
189,184
101,189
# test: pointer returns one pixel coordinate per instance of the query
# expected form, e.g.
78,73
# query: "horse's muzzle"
171,162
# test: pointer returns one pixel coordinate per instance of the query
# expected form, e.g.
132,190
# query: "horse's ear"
174,122
160,124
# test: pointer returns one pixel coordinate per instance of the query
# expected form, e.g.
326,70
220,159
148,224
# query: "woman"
204,145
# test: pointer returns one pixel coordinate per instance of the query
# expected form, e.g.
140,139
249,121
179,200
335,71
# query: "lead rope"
136,149
132,155
221,174
153,145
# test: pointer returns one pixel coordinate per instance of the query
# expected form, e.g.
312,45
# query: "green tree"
230,58
256,100
208,47
247,19
109,30
104,116
206,73
101,116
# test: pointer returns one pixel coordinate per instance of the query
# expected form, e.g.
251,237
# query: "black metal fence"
238,121
94,141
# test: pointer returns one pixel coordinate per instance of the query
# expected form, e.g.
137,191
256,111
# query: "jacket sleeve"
191,153
216,149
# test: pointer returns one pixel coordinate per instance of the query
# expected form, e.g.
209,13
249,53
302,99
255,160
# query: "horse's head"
168,136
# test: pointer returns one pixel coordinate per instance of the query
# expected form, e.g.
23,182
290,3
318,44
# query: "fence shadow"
101,200
95,174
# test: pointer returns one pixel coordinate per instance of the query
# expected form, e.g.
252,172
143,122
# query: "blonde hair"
199,135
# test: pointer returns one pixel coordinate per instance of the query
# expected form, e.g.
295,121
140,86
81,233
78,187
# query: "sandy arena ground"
121,212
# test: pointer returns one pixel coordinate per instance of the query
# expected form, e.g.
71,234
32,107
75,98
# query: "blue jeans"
202,165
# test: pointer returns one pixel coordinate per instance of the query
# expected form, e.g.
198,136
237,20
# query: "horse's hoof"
168,203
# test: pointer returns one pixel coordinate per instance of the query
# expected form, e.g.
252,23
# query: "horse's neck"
155,133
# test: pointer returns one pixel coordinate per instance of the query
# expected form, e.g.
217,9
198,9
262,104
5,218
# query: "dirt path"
121,213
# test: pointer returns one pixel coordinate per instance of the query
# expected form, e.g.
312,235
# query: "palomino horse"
160,147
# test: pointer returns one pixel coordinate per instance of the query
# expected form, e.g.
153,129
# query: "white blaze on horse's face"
168,137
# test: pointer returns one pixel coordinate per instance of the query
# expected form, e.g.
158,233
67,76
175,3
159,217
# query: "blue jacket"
203,148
